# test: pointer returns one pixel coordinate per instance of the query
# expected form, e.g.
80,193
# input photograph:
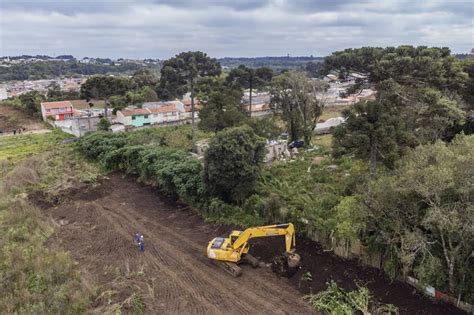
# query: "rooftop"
61,104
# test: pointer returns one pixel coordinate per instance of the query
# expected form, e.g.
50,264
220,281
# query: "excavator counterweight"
231,251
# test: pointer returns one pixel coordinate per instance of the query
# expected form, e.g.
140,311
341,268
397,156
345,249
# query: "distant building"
136,117
58,110
166,114
260,103
78,126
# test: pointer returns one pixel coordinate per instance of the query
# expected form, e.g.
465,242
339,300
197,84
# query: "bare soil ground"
12,118
173,275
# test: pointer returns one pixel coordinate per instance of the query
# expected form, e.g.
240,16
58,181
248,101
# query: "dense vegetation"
275,63
56,69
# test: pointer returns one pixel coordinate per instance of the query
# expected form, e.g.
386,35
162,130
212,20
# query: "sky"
232,28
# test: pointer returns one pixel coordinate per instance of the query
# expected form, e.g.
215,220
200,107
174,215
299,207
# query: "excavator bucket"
286,264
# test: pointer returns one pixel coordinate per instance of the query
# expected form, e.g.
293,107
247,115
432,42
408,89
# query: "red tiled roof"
164,109
51,105
135,112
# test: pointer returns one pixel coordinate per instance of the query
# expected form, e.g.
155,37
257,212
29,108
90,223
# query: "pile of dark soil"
348,274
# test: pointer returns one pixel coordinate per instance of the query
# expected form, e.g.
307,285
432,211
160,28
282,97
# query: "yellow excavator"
231,251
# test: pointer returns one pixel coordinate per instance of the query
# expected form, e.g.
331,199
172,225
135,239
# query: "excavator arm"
287,230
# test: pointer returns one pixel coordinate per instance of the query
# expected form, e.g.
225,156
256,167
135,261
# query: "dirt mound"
173,275
325,267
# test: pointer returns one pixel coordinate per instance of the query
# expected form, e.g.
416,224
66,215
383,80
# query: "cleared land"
173,276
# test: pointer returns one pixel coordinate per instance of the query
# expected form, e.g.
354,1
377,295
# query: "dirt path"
173,276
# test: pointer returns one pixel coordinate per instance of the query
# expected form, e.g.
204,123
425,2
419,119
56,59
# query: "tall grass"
35,279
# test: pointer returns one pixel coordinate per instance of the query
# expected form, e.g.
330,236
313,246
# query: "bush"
337,301
233,163
103,124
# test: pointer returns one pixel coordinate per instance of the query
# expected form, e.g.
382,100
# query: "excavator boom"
233,250
288,230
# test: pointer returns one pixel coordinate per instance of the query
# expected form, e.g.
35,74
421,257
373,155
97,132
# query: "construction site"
97,222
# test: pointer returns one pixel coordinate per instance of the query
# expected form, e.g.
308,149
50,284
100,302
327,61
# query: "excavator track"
229,267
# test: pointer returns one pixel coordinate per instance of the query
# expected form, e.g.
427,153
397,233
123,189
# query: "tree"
266,127
31,101
182,73
103,87
54,90
248,78
294,97
149,95
144,78
418,86
117,102
233,163
221,108
425,212
103,124
373,133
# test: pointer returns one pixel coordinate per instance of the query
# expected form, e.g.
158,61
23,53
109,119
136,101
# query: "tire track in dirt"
207,288
173,276
192,291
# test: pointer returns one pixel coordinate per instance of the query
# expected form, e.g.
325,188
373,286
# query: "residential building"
136,117
57,110
78,126
165,114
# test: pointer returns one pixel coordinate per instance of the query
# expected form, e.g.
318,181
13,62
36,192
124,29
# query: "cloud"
163,28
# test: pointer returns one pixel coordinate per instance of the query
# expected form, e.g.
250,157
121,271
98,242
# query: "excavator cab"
234,236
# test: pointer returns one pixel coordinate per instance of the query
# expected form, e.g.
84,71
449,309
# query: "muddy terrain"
174,276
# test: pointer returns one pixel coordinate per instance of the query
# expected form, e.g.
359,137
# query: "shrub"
336,301
233,163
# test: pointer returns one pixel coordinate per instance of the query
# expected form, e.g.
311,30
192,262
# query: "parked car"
296,144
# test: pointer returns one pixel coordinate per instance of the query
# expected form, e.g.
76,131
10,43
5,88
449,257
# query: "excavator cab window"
217,242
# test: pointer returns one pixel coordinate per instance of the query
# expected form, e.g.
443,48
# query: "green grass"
322,140
14,149
18,147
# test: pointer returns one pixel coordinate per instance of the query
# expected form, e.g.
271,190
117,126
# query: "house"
78,126
136,117
164,112
260,109
188,108
57,110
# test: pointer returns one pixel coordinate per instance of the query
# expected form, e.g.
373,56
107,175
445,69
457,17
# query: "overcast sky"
163,28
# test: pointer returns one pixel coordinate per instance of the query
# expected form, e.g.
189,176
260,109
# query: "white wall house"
165,114
122,118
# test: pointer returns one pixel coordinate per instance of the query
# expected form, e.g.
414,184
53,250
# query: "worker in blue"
137,238
141,244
